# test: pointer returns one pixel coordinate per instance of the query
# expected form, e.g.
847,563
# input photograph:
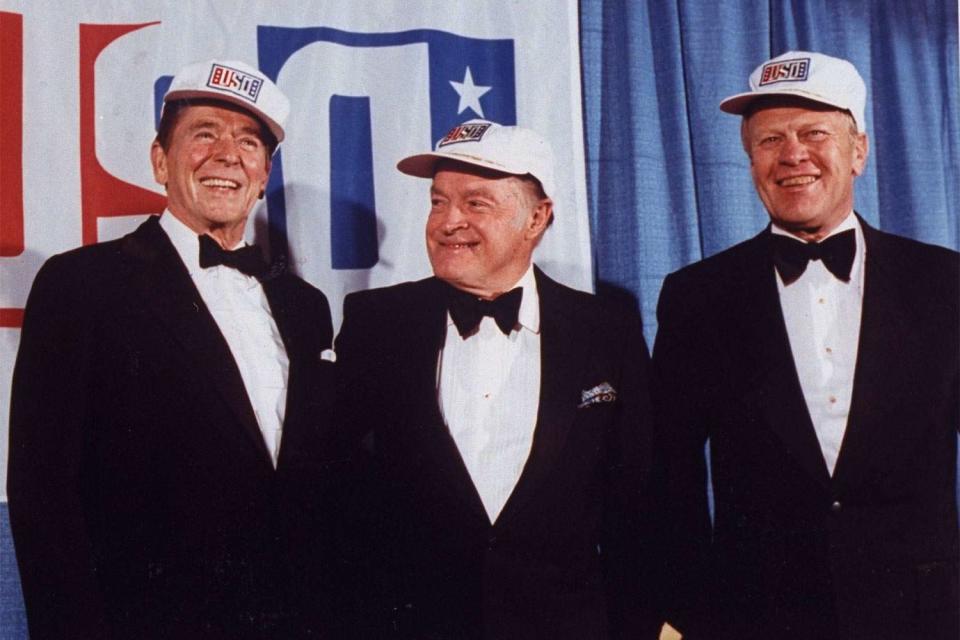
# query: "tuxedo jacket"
568,555
869,552
143,501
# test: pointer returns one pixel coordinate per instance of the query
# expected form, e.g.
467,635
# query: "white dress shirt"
822,315
239,306
489,391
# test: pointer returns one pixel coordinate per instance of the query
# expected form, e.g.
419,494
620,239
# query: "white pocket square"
603,392
328,355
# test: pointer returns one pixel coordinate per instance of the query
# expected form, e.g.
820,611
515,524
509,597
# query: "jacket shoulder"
907,251
304,293
597,314
712,276
80,272
88,256
106,255
399,297
924,276
729,259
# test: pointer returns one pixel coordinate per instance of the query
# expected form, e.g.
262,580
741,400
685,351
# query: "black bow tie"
246,260
791,256
467,310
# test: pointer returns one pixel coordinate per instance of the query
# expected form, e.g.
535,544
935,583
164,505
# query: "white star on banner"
469,94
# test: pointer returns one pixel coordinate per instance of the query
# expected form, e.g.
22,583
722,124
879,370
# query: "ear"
539,219
158,159
861,148
266,176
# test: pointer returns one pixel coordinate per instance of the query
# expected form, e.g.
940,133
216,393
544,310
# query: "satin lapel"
298,348
875,380
278,298
166,290
423,342
765,362
564,357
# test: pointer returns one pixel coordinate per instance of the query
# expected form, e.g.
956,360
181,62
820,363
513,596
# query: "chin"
447,275
797,221
449,267
454,277
225,217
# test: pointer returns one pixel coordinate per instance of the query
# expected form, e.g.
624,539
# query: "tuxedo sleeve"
360,403
49,413
356,367
682,378
628,541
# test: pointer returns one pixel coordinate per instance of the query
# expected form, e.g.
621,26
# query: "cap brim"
421,165
274,128
424,165
738,104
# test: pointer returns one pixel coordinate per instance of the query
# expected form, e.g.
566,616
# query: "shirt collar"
184,240
529,315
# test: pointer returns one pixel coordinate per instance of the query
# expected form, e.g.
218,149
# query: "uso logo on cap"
236,82
785,71
465,133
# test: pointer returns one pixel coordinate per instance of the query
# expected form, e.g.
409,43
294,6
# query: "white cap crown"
804,74
237,83
508,149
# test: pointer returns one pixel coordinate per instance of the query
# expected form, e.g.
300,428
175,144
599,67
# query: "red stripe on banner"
11,134
11,318
103,194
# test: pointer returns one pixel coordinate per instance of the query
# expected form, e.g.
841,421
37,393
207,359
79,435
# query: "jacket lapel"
166,290
564,357
882,324
298,348
425,335
772,387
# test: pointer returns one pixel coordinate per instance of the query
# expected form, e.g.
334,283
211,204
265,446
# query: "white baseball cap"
237,83
513,150
805,74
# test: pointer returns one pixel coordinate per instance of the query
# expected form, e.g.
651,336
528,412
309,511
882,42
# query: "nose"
453,219
792,151
226,149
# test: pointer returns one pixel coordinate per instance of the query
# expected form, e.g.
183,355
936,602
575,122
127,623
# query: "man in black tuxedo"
820,360
508,419
168,442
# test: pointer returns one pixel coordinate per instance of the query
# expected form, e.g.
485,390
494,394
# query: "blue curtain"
668,180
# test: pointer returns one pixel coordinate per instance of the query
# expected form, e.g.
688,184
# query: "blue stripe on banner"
353,218
159,90
13,618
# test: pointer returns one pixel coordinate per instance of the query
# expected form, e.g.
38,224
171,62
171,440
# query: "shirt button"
829,350
833,399
491,542
821,300
836,507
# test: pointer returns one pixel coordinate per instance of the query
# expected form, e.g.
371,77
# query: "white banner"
369,82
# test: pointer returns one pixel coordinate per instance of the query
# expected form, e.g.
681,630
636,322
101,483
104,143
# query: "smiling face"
214,168
483,227
803,162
